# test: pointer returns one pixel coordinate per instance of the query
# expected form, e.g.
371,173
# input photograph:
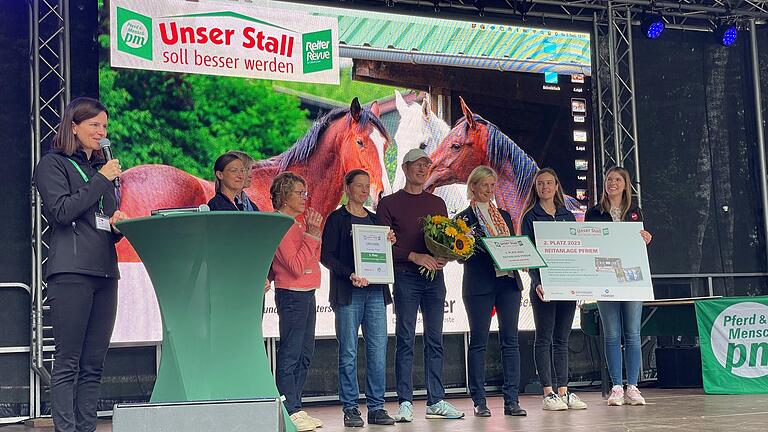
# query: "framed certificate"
373,253
513,253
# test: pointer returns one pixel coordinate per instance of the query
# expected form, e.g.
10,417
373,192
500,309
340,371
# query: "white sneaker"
633,396
317,422
405,413
302,424
616,398
573,402
443,410
552,402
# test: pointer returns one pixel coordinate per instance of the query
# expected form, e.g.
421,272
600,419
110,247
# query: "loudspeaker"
200,416
678,367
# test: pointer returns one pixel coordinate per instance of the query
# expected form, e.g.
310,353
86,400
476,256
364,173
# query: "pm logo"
134,33
738,338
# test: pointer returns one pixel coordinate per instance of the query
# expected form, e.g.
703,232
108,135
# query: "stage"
689,410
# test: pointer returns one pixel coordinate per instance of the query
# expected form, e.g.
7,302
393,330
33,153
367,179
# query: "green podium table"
208,271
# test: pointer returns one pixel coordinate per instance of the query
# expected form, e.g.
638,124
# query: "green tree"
188,120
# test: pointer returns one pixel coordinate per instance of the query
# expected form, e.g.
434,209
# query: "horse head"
362,143
419,127
464,148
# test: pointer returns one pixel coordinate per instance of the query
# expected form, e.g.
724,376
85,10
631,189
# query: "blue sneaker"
405,413
443,410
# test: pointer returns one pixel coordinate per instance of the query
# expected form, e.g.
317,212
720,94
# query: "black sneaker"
380,417
513,409
353,418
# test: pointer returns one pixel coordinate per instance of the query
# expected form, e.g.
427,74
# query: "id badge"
102,222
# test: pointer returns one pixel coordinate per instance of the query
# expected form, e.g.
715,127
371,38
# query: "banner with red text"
227,39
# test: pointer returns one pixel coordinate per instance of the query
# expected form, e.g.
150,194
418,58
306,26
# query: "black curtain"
698,157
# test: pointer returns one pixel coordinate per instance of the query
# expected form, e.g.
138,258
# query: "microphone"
177,210
107,150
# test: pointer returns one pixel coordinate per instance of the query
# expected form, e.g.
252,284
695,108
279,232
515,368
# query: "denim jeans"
83,309
553,322
297,311
413,292
506,298
366,309
622,318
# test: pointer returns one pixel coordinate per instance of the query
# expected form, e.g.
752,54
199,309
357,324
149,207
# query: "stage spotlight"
652,25
726,34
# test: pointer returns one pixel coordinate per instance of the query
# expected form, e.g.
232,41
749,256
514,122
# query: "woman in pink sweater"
296,272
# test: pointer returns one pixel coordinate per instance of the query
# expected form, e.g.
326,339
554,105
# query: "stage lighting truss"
520,6
478,4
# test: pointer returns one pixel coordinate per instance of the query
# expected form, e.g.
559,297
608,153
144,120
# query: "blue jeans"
413,292
366,308
622,318
297,311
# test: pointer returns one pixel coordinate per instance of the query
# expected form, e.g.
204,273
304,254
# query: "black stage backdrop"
15,226
698,157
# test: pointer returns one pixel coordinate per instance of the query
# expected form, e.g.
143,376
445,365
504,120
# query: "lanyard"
86,179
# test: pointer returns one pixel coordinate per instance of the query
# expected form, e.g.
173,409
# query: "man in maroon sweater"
403,211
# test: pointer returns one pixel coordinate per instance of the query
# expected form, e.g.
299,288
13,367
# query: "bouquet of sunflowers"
447,238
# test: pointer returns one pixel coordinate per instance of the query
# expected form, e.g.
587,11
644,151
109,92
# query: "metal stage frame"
612,23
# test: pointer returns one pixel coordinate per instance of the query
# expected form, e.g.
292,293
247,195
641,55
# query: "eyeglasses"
420,165
236,170
301,193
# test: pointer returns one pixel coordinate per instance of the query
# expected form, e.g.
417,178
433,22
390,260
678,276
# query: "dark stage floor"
686,410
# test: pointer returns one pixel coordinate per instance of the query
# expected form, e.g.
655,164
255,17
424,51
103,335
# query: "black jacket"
537,214
596,214
220,202
337,254
70,204
479,270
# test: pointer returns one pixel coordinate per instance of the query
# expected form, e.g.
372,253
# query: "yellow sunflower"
437,219
462,244
451,231
462,225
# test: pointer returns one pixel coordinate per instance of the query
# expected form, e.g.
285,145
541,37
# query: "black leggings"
83,309
553,322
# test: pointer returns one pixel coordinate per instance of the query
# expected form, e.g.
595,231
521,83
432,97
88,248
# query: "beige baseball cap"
415,154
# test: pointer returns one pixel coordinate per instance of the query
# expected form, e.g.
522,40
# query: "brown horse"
474,141
342,140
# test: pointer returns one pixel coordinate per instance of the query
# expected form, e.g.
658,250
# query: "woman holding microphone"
485,287
76,188
620,317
